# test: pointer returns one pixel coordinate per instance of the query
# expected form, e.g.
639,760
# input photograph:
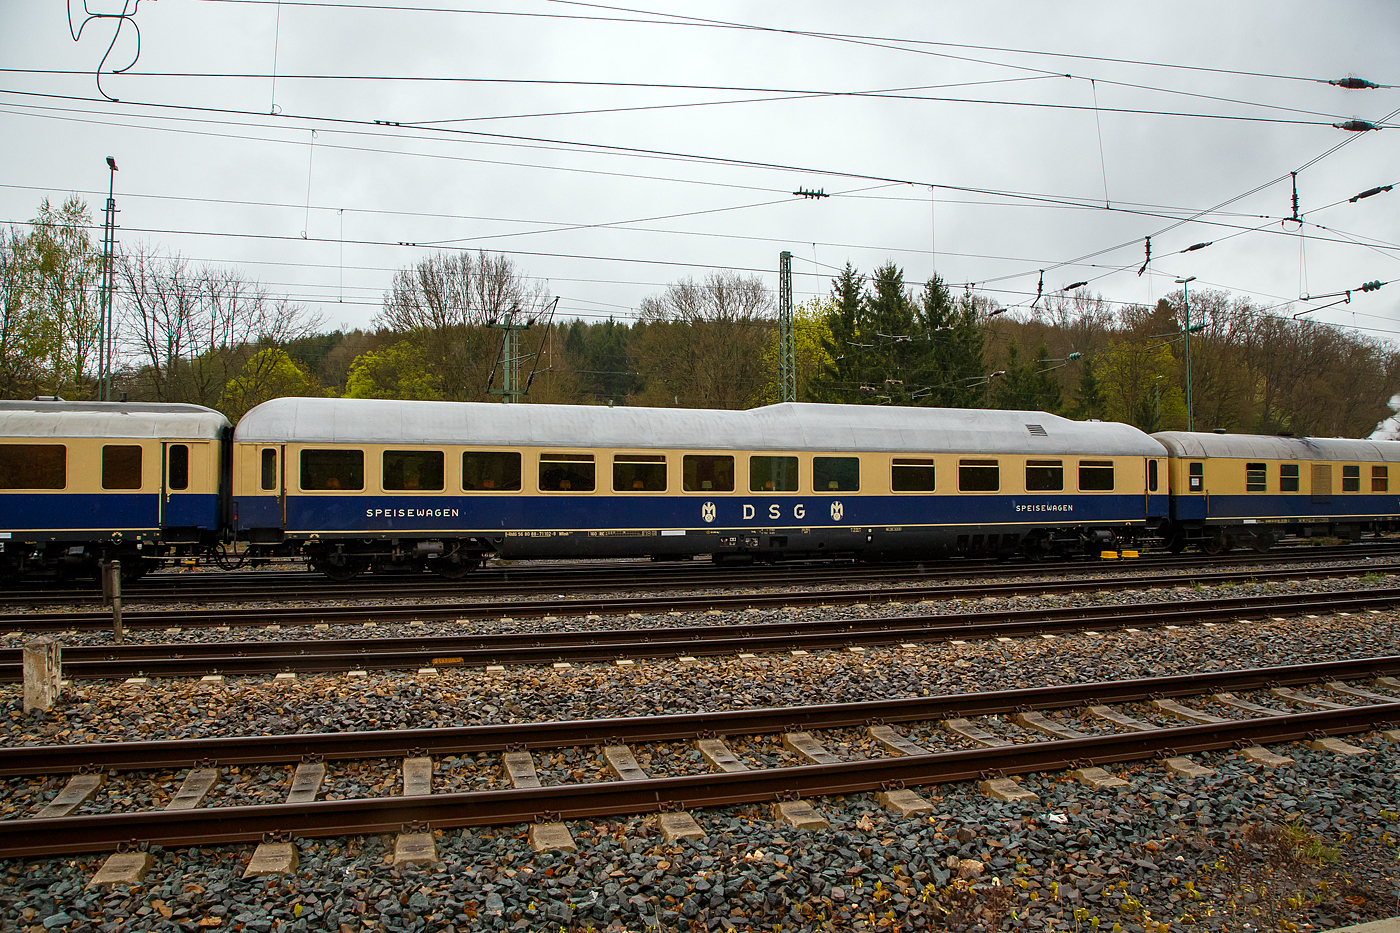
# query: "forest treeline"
207,335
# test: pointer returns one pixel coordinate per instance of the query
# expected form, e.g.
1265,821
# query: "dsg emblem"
836,511
707,512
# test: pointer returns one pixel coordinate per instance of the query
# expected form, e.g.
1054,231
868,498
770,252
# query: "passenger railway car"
357,484
86,481
1240,489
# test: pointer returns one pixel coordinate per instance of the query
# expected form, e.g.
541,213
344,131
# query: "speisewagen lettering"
411,513
1048,507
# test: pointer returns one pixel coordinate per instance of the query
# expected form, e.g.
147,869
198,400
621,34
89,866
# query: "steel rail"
346,615
313,656
613,575
29,760
227,825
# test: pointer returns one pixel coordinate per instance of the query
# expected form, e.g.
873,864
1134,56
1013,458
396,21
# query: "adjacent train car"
356,484
86,481
1240,489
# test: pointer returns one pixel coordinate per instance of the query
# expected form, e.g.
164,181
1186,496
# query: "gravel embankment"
1163,851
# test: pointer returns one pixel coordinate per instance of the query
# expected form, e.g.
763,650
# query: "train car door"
272,481
1322,486
1154,502
184,508
282,483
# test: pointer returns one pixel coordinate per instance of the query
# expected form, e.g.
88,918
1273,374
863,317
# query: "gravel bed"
96,711
1162,851
1316,839
564,620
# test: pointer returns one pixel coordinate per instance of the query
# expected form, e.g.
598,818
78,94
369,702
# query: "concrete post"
41,673
112,595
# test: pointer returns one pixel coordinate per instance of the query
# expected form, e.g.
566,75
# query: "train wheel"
1177,544
455,566
1262,543
1216,545
339,568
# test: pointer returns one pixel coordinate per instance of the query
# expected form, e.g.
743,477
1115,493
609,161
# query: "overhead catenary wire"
772,94
599,224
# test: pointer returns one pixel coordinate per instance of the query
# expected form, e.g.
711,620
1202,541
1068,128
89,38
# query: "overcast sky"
989,139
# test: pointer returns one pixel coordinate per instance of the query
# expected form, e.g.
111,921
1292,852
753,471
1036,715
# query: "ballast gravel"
1314,845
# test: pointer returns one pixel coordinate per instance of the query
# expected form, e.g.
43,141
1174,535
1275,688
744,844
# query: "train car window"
912,474
1256,477
639,473
269,468
1380,479
177,474
707,473
979,476
773,474
33,466
332,469
835,474
1045,475
413,470
497,470
1196,480
121,466
1351,479
567,472
1095,475
1152,476
1288,477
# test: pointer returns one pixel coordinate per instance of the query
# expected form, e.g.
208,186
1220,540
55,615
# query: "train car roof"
109,419
1201,446
788,426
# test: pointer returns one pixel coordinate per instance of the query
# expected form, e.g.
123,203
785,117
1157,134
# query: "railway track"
263,616
246,586
197,659
1261,706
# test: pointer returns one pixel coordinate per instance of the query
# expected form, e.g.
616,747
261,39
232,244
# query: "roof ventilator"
1036,430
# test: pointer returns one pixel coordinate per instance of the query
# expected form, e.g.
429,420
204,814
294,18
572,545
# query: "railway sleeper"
415,844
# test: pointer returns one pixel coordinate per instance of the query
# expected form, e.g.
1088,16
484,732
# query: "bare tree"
444,305
189,331
704,342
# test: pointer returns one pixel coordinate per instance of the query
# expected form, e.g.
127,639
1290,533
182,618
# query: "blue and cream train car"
356,484
86,481
1241,489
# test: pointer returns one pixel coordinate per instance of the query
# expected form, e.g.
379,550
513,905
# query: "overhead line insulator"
1354,84
1356,126
1369,192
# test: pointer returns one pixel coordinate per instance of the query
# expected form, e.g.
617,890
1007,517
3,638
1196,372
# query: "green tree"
957,339
1028,385
397,371
65,269
268,374
23,350
49,311
1090,401
811,334
598,355
839,379
1135,375
897,358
